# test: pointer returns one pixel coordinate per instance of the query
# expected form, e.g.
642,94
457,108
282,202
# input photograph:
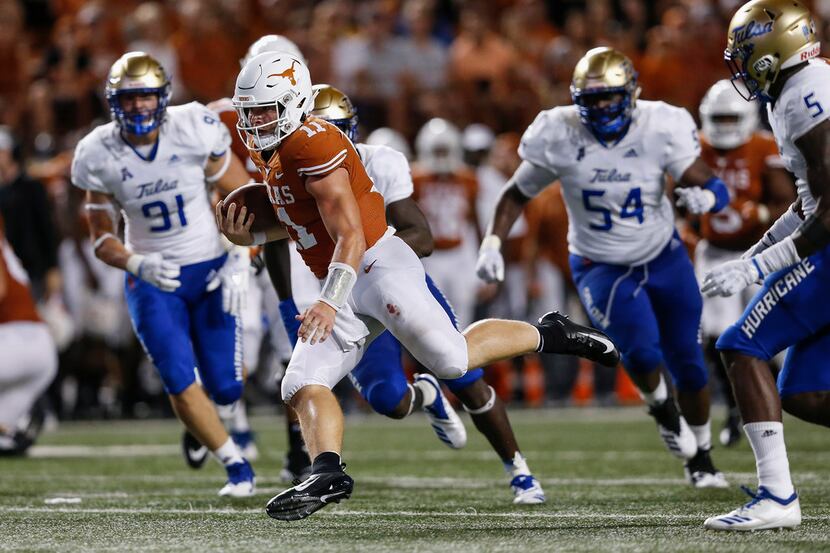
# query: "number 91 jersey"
163,195
617,208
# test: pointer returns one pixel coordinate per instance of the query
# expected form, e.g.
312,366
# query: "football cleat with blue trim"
764,512
442,417
527,490
241,480
311,495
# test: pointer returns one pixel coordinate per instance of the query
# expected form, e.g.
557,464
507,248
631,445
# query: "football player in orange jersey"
30,359
446,191
261,300
326,202
761,190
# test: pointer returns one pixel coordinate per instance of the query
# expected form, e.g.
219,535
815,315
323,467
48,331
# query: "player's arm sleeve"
537,150
682,145
85,171
320,155
394,169
811,107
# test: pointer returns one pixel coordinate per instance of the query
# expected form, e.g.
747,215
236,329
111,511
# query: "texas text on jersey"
317,149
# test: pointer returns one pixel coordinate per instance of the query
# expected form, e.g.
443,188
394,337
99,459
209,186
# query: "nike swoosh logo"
368,267
609,345
311,479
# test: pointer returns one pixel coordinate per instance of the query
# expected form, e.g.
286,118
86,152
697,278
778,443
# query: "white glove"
695,199
233,276
730,278
154,269
490,264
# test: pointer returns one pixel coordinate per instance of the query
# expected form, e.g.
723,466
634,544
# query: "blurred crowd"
487,67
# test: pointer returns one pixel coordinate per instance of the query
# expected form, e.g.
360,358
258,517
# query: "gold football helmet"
137,72
766,36
335,107
605,73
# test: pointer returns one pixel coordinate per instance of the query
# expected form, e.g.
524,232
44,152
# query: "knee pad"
690,377
294,380
385,396
457,384
227,394
642,360
448,356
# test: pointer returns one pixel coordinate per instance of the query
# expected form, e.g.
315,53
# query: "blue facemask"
139,123
609,123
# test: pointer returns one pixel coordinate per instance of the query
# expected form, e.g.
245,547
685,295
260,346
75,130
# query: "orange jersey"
316,149
227,114
743,169
448,202
17,303
547,227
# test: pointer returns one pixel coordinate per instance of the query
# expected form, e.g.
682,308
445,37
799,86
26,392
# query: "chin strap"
486,407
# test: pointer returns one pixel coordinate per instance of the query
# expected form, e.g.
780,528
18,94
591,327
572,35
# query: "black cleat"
701,472
307,497
673,429
561,335
195,454
296,466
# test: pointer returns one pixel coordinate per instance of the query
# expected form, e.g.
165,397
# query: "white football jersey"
389,171
803,103
615,198
164,200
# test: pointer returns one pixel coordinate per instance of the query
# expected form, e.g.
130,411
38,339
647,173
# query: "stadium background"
494,63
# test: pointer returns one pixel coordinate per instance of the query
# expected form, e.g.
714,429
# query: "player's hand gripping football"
490,264
730,278
237,228
316,323
696,199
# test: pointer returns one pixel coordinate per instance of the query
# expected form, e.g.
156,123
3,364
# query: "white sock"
703,435
239,421
659,395
428,390
228,453
767,441
517,466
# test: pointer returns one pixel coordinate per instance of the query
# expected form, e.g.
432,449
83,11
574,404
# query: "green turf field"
610,487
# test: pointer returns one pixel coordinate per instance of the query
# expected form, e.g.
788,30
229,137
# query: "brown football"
254,197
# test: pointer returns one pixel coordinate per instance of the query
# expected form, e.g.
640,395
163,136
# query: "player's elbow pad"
718,188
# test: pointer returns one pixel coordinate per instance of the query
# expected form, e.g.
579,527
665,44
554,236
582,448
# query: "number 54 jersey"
615,194
162,193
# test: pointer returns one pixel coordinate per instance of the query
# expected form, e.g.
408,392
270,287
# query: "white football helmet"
438,146
386,136
272,79
727,119
272,43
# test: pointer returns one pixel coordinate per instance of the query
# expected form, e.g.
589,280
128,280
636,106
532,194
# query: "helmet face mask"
604,89
273,80
132,76
765,37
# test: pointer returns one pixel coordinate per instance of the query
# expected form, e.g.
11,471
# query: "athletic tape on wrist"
338,285
484,408
134,264
777,257
491,242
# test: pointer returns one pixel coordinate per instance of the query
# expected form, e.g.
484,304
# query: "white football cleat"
673,429
764,512
241,481
442,417
527,490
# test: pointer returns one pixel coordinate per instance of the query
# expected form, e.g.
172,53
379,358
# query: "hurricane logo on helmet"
766,37
137,73
605,91
269,112
335,107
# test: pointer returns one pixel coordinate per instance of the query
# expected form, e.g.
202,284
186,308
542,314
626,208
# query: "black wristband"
814,231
